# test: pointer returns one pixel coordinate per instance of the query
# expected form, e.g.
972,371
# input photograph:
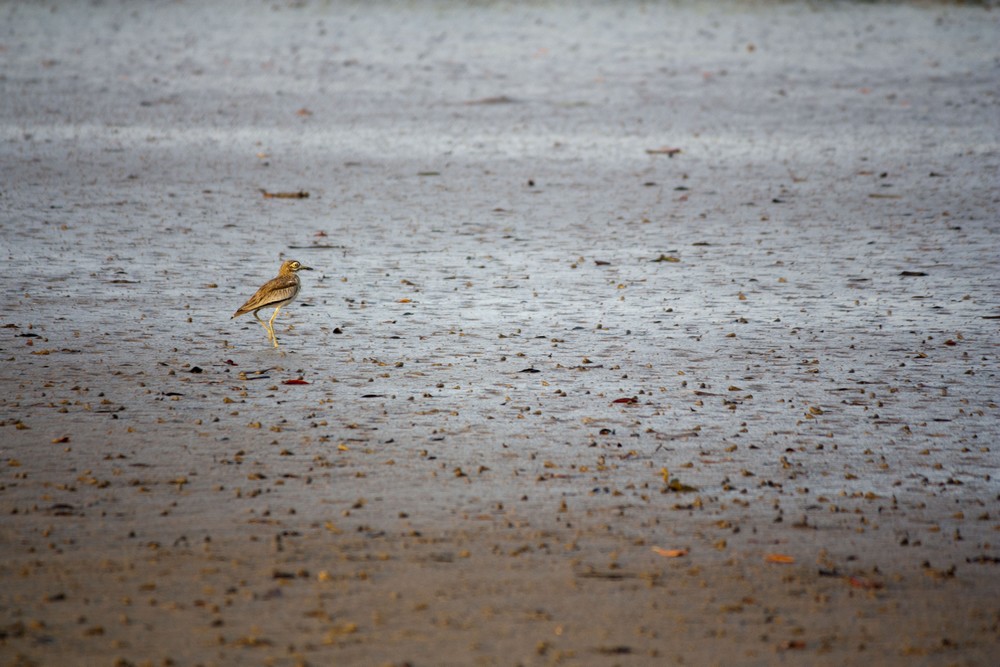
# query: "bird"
277,292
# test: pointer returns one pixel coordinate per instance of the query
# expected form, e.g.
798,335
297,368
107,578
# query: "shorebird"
275,293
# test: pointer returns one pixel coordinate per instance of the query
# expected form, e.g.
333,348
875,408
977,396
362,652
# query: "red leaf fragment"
670,553
865,584
630,400
779,558
792,645
295,381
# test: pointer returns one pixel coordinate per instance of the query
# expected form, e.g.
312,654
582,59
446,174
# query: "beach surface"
637,334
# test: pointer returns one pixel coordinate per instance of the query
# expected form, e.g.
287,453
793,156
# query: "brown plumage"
275,293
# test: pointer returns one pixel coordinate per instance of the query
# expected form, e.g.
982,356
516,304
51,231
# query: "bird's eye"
295,265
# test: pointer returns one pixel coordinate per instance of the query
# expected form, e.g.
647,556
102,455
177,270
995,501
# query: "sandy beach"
638,334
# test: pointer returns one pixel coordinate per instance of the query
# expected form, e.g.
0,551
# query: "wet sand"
639,334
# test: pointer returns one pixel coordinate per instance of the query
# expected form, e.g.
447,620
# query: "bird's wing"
272,292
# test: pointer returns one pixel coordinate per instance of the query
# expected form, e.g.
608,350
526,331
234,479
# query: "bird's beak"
306,268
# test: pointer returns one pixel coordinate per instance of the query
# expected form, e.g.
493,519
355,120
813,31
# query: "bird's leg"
263,324
271,326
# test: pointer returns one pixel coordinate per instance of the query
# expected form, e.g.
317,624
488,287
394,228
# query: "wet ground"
639,334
